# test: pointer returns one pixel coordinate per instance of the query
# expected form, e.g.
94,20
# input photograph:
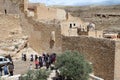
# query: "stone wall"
61,14
47,13
40,38
117,61
1,6
8,7
101,52
95,33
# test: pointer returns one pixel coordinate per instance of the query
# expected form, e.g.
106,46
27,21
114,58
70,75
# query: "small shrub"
36,75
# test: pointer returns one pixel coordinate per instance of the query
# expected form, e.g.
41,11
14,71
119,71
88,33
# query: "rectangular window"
70,25
1,59
5,59
74,24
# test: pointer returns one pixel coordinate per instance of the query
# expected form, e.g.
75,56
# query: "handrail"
93,77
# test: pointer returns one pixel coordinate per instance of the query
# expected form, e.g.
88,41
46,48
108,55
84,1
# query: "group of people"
43,60
8,69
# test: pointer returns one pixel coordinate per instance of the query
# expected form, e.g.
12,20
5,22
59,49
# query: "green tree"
73,66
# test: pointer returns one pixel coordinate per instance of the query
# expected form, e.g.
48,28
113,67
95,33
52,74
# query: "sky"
77,2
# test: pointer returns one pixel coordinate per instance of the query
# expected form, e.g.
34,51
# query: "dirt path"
21,67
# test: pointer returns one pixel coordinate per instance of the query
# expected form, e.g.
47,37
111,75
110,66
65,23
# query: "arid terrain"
88,14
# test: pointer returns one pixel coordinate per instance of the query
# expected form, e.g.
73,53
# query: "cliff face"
12,40
10,26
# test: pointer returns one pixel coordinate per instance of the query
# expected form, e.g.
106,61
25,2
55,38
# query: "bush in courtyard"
36,75
73,66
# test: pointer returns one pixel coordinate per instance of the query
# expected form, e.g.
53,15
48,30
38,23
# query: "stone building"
42,12
47,13
70,25
9,6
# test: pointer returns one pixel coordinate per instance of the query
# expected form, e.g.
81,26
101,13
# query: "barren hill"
105,17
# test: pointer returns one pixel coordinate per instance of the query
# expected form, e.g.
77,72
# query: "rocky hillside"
92,14
12,39
10,26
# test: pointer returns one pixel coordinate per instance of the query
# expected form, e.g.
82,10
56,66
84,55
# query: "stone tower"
24,5
25,2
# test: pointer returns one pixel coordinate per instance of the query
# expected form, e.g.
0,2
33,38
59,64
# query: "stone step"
7,77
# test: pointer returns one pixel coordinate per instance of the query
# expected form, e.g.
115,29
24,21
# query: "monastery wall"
95,33
44,13
61,14
101,52
45,37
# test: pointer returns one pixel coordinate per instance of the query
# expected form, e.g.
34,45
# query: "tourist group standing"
42,60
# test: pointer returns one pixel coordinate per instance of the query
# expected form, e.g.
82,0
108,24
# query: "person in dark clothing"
47,65
40,61
24,57
47,61
1,71
11,69
52,58
43,61
31,57
36,57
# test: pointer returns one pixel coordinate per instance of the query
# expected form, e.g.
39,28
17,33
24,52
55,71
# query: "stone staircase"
52,74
